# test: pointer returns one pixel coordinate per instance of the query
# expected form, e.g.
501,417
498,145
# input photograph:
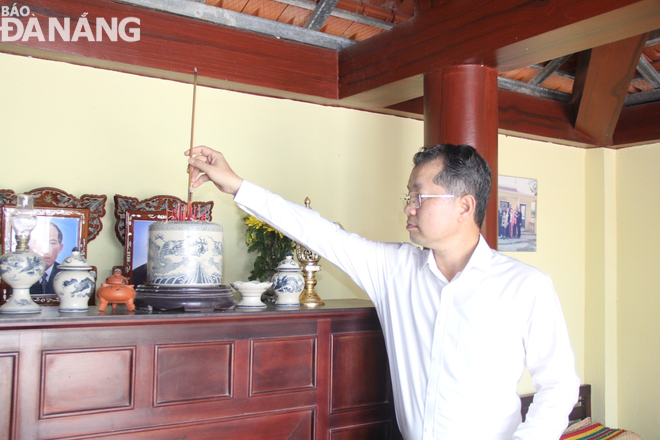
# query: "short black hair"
464,172
60,237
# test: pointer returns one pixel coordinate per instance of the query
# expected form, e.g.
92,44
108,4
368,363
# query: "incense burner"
185,253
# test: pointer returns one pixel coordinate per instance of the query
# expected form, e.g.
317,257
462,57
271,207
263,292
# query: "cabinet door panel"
380,431
283,364
288,426
187,372
86,380
359,371
7,393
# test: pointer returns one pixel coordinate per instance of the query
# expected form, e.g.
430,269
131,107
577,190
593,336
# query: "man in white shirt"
461,321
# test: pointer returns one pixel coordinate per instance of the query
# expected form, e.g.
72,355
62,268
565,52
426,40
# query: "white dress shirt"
457,349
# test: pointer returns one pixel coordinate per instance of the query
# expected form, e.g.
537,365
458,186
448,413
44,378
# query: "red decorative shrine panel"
283,364
180,367
86,381
288,426
380,430
352,355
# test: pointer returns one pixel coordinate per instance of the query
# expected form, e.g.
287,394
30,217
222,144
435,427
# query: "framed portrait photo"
64,223
57,233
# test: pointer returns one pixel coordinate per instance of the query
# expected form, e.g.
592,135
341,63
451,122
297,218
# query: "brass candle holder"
310,262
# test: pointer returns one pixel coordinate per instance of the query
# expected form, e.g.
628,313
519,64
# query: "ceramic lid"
288,264
75,261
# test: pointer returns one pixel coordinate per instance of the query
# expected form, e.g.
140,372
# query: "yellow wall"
93,131
560,226
87,130
638,317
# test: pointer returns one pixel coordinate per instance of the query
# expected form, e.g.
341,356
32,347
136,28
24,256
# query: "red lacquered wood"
179,367
178,44
283,364
460,107
378,430
351,354
601,86
536,118
8,390
231,375
638,124
81,381
506,34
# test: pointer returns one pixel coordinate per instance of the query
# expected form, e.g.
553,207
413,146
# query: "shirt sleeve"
363,260
551,363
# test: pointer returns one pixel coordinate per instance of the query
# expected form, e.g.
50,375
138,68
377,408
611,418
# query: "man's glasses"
415,199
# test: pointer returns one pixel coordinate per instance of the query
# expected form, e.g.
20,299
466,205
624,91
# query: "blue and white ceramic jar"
185,253
288,282
75,283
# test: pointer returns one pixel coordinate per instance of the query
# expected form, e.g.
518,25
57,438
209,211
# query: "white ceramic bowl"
251,292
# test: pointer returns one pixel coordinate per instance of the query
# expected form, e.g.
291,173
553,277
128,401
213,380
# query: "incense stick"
192,136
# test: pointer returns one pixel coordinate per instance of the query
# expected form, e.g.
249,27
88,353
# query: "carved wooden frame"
53,202
128,210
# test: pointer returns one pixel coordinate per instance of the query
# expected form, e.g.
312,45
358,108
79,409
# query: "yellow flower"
252,221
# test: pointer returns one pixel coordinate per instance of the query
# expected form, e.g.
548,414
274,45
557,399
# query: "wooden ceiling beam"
601,86
638,125
176,45
526,116
506,34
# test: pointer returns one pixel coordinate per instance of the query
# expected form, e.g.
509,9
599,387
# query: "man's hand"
210,165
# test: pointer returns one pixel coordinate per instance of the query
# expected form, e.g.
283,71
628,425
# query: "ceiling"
578,73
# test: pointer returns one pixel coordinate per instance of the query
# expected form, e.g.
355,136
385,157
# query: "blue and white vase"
288,282
185,253
75,283
21,269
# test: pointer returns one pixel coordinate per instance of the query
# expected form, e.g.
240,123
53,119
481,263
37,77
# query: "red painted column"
460,107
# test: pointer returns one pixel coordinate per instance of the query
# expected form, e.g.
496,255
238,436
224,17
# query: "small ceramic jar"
75,283
288,282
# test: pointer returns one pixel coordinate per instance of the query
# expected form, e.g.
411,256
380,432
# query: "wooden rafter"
601,85
648,72
172,45
341,13
506,34
549,70
226,17
523,115
320,14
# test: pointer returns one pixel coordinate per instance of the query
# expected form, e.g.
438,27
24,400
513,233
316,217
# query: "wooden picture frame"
132,218
63,222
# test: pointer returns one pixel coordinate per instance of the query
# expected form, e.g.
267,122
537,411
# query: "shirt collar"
480,259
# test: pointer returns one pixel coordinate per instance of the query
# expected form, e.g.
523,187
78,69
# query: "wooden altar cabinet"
271,374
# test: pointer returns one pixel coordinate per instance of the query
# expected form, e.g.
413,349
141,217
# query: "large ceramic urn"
184,268
185,253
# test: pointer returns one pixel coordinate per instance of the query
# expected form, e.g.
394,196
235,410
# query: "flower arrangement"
271,245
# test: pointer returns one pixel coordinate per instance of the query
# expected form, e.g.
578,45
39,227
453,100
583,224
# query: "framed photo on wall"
516,214
64,222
